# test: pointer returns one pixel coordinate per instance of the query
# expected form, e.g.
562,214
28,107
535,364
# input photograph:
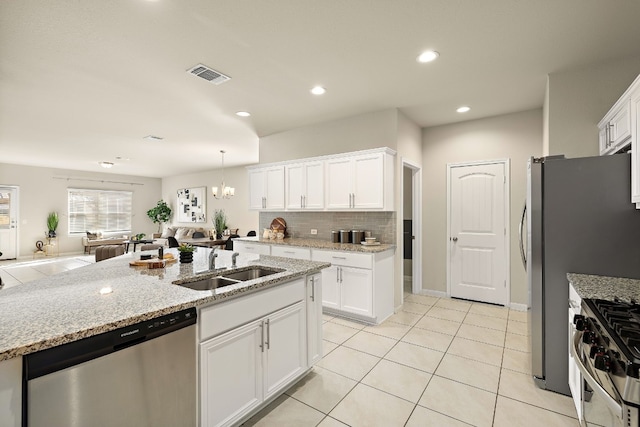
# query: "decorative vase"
52,233
186,257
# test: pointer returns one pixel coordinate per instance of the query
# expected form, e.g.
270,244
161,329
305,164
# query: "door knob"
455,239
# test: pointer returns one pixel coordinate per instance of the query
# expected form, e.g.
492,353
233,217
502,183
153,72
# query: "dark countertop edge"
320,244
197,302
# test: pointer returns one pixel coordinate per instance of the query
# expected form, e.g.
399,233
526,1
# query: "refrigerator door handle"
523,253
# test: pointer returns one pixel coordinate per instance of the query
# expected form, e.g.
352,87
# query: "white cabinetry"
11,392
245,363
575,377
357,285
266,188
360,182
291,252
619,128
304,184
615,128
314,319
253,248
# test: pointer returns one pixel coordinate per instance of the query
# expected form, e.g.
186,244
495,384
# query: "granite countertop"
319,244
603,287
68,306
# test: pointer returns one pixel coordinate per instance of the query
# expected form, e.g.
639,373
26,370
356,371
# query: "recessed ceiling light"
428,56
153,138
243,113
318,90
463,109
106,165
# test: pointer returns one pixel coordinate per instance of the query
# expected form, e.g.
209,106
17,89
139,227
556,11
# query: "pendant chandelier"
223,192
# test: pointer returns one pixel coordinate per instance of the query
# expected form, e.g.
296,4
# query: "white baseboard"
432,293
518,307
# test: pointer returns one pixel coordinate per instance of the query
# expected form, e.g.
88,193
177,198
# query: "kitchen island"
111,294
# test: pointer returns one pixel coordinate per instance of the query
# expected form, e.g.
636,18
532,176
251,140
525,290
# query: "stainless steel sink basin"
250,274
209,283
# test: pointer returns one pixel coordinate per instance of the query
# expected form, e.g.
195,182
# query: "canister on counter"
357,236
335,236
345,236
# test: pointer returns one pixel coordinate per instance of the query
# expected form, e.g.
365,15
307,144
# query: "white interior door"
478,232
8,222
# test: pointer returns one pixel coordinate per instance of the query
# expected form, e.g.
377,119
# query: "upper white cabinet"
360,182
615,128
266,188
619,128
304,183
351,181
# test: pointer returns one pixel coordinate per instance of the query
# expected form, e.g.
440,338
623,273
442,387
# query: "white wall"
41,193
362,132
236,208
577,101
514,136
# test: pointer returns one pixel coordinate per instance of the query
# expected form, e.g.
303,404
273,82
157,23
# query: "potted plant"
140,236
159,214
52,223
186,252
219,222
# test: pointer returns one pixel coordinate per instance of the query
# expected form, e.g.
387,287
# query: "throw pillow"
183,233
168,232
92,236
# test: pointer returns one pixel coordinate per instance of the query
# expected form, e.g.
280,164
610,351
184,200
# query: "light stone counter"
69,306
607,288
319,244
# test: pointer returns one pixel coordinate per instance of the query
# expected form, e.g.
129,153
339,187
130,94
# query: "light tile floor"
438,362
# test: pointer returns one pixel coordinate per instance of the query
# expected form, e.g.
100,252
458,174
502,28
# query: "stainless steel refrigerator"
580,219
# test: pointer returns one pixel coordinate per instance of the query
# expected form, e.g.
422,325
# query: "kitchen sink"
208,283
250,274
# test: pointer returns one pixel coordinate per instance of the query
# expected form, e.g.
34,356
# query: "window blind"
99,210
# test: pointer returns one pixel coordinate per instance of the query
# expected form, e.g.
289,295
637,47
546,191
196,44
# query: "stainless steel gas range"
606,350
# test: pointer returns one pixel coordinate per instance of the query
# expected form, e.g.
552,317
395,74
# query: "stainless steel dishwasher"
139,375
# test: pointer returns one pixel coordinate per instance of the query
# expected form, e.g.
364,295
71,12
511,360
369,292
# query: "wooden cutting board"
151,263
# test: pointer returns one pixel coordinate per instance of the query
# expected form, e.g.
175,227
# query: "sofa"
92,242
178,232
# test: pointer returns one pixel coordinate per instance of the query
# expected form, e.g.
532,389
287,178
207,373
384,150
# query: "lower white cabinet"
291,252
314,319
249,247
357,285
247,365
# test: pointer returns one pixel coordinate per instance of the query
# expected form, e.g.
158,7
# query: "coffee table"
135,243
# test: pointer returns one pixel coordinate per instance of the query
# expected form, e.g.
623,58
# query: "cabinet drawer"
347,259
291,252
225,316
254,248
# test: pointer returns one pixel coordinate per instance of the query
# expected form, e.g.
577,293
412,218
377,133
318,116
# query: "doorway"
478,231
8,222
412,224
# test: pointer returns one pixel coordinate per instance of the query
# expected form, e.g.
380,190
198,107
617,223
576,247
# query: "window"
98,210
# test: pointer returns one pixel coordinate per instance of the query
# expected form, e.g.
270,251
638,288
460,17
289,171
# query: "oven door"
604,408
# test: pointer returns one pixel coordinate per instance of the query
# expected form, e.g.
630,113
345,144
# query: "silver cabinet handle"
340,274
268,334
289,252
337,274
339,257
313,288
304,201
301,203
262,336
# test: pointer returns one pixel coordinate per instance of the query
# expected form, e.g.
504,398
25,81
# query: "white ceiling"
83,81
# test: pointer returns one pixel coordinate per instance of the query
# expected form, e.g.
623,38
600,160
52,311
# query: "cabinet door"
285,347
253,248
356,290
603,141
339,183
294,186
274,187
331,287
314,185
368,181
314,319
620,127
231,375
635,146
256,189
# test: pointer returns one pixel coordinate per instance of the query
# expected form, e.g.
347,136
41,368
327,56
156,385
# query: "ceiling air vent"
209,74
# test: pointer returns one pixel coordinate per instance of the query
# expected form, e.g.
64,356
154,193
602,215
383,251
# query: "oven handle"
613,405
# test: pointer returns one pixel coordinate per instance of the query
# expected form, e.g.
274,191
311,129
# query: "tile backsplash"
299,224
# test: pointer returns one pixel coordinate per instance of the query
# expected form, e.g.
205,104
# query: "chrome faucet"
233,259
212,259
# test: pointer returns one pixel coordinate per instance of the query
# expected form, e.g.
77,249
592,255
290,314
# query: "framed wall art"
192,204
